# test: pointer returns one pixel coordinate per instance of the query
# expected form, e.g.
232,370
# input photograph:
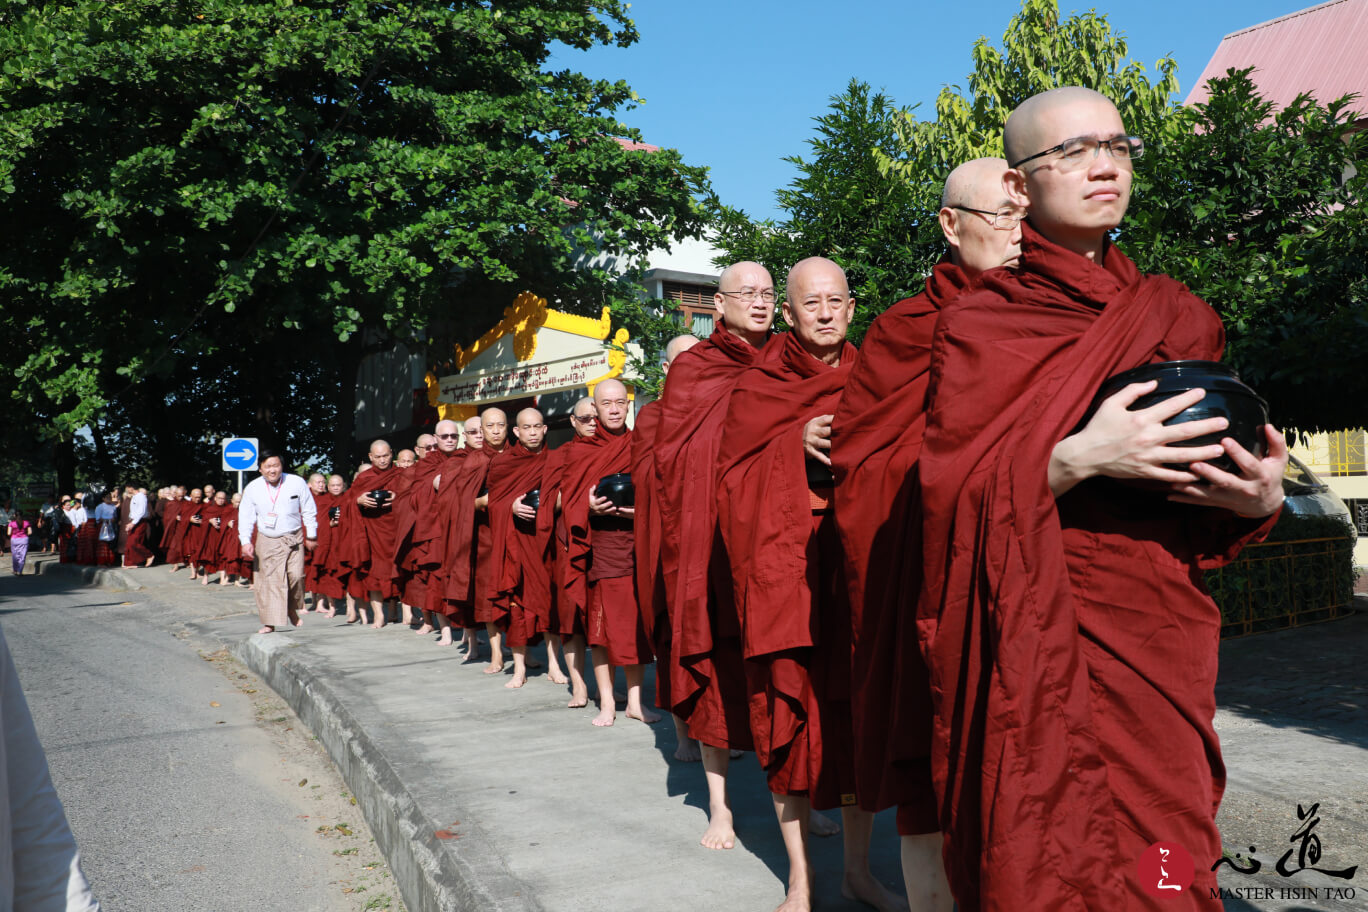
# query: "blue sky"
735,85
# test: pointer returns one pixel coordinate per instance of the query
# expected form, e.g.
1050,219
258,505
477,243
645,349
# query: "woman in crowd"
73,517
106,522
19,529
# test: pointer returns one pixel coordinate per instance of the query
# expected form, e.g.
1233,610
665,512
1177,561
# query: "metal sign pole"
239,481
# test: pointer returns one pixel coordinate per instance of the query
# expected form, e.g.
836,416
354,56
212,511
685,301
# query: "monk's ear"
949,226
718,301
1014,185
787,311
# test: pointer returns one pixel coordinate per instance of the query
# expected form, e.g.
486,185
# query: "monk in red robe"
318,489
470,543
372,536
230,550
215,518
774,514
1070,645
522,587
602,573
193,519
173,529
707,681
412,596
404,460
647,532
566,625
421,532
454,579
876,437
494,430
331,573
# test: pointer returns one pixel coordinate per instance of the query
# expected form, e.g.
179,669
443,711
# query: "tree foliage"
186,181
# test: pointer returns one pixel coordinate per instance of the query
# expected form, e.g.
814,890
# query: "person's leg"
635,708
430,623
720,833
377,606
858,882
471,641
928,889
574,665
554,674
496,656
792,811
353,615
519,667
686,748
444,624
603,677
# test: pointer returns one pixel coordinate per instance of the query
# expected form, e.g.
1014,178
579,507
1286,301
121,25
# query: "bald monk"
707,682
472,438
425,445
875,442
522,589
318,488
195,527
470,543
601,574
566,626
373,534
646,526
420,531
774,515
1070,646
405,459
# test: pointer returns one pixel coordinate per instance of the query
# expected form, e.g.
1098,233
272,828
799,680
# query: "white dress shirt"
137,507
291,501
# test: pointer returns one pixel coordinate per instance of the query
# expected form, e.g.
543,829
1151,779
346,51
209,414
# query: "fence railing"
1281,584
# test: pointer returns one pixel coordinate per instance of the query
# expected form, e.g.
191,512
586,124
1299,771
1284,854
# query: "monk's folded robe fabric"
467,529
419,542
707,680
876,439
788,578
513,545
565,618
371,534
646,543
1071,646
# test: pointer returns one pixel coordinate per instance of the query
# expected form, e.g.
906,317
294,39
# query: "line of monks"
911,577
199,531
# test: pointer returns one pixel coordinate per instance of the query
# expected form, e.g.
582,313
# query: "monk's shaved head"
447,433
818,307
1027,129
583,417
806,270
474,434
976,183
405,458
380,446
751,319
528,416
494,424
979,240
610,398
678,346
530,429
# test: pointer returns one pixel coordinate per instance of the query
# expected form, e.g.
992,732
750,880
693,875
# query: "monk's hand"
1256,492
817,438
522,510
437,483
332,523
601,506
1120,443
365,500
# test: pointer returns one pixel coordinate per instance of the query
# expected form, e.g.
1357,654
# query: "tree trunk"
102,456
348,361
64,461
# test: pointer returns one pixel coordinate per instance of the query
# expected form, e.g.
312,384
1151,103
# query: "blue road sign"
239,454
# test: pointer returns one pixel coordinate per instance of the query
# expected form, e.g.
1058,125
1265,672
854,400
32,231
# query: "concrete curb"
114,578
433,875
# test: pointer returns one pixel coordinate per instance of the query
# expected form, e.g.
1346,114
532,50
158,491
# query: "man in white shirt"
279,509
136,550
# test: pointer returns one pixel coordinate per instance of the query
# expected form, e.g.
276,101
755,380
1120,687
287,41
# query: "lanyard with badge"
269,522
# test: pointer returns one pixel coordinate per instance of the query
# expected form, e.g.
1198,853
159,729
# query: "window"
1346,453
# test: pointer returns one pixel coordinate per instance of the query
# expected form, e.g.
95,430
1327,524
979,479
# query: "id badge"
269,521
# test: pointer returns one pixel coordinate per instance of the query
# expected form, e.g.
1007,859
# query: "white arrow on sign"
239,454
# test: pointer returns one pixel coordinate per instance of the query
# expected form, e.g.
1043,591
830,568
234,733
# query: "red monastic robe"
647,533
193,541
513,545
418,531
229,553
1071,646
467,535
173,530
551,530
213,536
787,573
876,438
327,567
707,680
370,534
615,624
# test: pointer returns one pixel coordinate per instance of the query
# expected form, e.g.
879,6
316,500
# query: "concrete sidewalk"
494,799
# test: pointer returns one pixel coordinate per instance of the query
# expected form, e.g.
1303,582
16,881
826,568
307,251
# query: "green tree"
191,184
1261,212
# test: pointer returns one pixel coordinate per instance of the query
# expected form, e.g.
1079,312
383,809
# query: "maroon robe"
467,536
876,439
418,528
1070,644
787,573
193,541
646,526
707,680
513,544
551,531
370,536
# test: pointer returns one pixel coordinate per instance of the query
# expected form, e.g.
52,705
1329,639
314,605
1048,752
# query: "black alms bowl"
1226,396
334,512
532,498
381,497
617,488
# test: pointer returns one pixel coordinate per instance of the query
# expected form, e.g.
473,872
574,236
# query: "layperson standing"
135,528
277,509
876,439
707,680
107,524
1071,647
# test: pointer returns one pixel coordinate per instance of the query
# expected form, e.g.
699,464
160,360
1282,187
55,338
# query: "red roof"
632,145
1322,50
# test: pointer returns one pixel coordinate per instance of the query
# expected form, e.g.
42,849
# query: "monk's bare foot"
519,679
329,612
494,668
266,629
175,568
204,580
379,624
861,886
606,716
242,584
799,899
643,715
578,699
223,581
352,620
556,676
297,621
428,628
688,752
719,834
471,658
820,824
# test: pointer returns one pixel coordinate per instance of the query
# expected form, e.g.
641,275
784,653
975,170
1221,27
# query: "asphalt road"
188,783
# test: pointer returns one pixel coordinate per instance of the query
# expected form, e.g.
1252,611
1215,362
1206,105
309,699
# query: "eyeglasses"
1073,153
1003,219
585,418
444,437
433,446
750,296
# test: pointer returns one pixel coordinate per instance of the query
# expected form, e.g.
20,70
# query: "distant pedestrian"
18,529
107,522
279,510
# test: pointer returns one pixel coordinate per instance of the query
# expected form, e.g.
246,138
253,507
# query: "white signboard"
497,383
